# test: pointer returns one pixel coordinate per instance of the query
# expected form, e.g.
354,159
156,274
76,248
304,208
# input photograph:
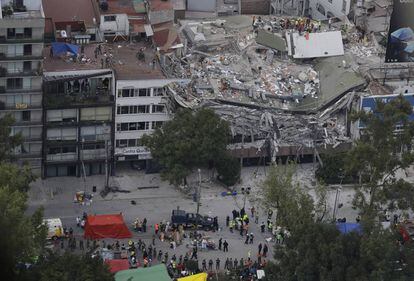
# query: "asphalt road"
56,196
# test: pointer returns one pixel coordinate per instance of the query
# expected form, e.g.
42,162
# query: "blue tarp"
346,227
403,34
62,48
410,47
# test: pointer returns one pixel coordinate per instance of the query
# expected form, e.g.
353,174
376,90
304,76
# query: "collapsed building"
277,105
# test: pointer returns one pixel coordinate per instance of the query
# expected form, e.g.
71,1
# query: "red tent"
106,226
117,265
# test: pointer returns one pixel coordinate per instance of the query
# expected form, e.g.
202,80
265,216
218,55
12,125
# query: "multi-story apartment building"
78,114
21,42
141,101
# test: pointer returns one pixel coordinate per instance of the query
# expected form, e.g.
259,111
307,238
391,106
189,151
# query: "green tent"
157,272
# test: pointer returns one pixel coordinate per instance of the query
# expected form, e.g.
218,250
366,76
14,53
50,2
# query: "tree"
7,142
228,169
315,250
22,237
16,178
293,206
70,267
384,148
190,140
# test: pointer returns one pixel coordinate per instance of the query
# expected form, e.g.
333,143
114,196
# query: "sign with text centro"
141,151
400,45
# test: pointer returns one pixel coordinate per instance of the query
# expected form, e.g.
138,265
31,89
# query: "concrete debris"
259,127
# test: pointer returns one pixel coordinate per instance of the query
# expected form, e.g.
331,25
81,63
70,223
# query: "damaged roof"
315,45
271,40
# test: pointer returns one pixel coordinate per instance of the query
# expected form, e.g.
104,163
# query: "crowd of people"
142,253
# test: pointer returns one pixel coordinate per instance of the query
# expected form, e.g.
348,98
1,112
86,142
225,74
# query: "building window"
109,18
126,93
158,92
26,115
128,143
157,124
133,109
344,6
27,32
15,83
132,126
144,92
27,50
156,108
143,108
131,142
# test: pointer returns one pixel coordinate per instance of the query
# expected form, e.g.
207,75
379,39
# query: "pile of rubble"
277,129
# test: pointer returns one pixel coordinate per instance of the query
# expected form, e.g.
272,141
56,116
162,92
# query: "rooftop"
68,63
74,10
122,57
30,9
129,7
128,66
159,5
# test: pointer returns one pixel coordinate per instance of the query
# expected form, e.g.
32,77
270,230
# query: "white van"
55,228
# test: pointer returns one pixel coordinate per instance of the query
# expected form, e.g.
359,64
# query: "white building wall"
139,151
120,26
335,8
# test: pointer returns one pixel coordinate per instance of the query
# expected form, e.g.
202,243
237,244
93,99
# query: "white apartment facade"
141,107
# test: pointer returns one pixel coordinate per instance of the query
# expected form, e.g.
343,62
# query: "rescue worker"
217,264
210,265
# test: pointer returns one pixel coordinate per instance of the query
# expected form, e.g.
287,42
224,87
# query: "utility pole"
342,176
245,191
198,194
83,165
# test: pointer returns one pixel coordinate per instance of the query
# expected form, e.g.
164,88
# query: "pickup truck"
188,220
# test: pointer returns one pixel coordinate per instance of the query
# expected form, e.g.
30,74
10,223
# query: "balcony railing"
62,138
20,40
7,57
20,106
84,99
62,157
93,154
19,72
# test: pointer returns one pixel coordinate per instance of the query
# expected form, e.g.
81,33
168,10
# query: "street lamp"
245,192
198,195
338,189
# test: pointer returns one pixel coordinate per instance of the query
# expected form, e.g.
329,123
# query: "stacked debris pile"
279,129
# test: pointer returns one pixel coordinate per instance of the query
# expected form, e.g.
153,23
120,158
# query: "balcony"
26,57
92,154
62,157
19,106
96,137
19,72
19,40
78,99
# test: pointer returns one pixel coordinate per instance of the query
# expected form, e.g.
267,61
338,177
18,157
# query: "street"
155,202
